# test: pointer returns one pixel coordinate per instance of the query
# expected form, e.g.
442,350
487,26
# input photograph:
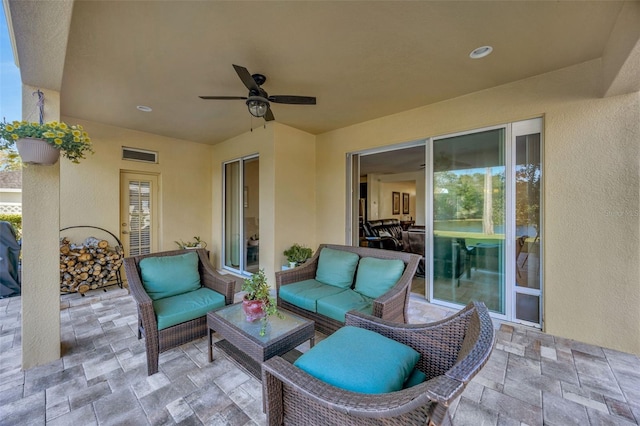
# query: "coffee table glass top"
276,327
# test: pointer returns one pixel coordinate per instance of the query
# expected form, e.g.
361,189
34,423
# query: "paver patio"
532,378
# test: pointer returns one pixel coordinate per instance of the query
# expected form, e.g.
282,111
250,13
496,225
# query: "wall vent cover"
136,154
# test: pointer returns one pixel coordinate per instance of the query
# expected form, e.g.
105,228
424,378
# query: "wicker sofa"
158,338
392,305
452,351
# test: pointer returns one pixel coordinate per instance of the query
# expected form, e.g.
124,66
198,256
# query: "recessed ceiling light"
480,52
144,108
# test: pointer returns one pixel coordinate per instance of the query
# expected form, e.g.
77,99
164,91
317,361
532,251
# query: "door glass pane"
232,215
527,211
251,211
469,219
528,175
139,217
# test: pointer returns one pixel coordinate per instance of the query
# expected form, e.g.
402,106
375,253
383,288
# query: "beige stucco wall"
592,197
295,175
287,196
90,191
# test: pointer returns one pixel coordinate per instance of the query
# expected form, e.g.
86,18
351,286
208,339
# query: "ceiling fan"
258,100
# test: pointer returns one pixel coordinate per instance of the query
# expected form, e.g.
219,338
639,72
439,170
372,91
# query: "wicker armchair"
391,306
160,341
452,351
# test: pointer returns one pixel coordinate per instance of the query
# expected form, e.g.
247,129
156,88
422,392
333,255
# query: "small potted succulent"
42,143
297,254
257,303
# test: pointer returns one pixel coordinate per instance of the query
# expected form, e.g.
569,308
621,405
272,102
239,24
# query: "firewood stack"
88,266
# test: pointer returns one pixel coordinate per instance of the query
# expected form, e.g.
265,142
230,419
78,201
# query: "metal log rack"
118,243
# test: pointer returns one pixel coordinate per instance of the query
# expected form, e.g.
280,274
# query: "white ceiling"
361,59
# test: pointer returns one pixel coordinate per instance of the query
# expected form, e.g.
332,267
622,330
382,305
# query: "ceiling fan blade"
291,99
223,97
269,116
246,78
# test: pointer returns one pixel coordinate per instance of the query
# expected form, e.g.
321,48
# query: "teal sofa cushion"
360,360
376,276
186,306
170,275
305,294
336,305
336,267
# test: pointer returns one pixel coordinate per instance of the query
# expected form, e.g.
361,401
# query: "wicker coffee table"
242,340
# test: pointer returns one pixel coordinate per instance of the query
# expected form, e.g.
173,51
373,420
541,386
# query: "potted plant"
297,254
43,143
257,303
197,243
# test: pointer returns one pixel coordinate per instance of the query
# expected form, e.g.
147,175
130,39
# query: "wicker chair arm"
212,279
477,346
306,271
276,372
144,302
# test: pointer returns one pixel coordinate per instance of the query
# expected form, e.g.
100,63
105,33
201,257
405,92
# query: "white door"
138,213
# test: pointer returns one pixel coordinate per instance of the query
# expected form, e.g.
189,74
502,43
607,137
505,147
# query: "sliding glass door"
241,233
468,244
486,218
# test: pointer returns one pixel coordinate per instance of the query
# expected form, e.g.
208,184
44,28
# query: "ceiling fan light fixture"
480,52
257,106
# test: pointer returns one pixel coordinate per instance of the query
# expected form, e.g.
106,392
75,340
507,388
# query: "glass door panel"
528,177
241,215
138,207
468,249
232,215
250,213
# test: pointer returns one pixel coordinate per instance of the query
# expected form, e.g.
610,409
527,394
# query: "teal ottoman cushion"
376,276
336,267
170,275
360,360
336,305
305,294
186,306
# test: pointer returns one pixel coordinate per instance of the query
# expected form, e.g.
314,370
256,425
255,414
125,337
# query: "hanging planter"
35,140
37,151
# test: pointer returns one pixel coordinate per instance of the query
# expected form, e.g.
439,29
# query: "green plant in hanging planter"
72,141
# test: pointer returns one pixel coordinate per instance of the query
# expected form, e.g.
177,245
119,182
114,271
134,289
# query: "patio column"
40,246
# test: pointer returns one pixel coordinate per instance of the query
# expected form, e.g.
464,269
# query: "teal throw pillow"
170,275
414,379
360,360
376,276
336,267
